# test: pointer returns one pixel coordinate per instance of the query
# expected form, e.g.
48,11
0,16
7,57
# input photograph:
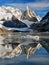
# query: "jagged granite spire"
29,15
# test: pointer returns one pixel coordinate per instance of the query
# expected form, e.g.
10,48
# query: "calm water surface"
41,57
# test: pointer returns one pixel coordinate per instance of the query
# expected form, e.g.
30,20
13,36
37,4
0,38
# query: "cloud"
32,5
40,7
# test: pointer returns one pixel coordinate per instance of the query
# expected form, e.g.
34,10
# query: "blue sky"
21,1
41,7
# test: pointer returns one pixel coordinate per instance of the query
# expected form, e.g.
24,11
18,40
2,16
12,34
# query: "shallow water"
41,56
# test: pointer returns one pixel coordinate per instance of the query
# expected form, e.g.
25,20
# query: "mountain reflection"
13,44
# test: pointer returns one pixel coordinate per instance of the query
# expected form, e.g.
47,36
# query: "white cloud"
38,4
38,7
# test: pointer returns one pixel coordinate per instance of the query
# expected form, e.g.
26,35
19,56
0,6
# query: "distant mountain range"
13,19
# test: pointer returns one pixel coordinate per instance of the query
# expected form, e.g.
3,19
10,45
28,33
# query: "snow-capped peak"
7,13
30,15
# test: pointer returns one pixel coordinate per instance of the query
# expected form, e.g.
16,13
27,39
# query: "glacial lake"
40,57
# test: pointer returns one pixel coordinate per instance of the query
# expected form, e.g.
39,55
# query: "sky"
21,1
41,7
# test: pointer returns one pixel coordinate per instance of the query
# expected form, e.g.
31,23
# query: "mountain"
45,18
43,25
14,24
6,13
45,21
30,15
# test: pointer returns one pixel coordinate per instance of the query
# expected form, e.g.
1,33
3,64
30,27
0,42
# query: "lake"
40,57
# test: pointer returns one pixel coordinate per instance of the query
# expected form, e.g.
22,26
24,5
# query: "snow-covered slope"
6,13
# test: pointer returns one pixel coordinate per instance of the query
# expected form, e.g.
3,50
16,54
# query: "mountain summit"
43,25
30,15
45,18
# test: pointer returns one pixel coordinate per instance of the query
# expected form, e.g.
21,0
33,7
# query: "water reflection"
15,46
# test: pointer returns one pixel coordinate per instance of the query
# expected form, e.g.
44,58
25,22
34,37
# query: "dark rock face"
45,21
37,26
43,25
34,19
14,24
45,17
